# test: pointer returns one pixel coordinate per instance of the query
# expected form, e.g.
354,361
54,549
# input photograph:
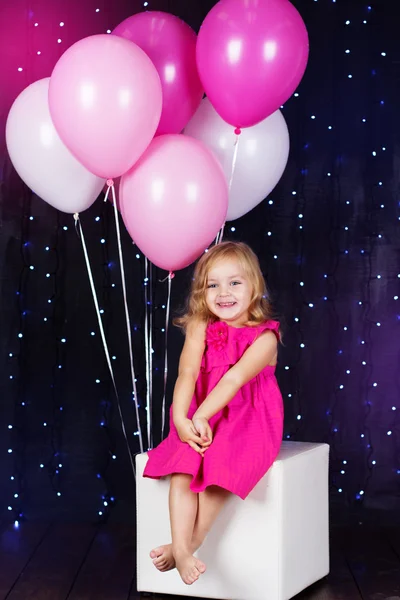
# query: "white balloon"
40,157
262,155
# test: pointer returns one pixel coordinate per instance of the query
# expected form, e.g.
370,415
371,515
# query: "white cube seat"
270,546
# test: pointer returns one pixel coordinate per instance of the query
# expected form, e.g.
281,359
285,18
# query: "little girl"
227,412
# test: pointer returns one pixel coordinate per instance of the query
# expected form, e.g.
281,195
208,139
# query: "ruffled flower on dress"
217,335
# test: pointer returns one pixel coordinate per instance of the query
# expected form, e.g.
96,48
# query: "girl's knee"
181,481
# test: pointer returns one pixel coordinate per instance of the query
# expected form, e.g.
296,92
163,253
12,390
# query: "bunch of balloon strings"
148,325
148,336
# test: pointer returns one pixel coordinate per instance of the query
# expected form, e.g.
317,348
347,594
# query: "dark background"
333,272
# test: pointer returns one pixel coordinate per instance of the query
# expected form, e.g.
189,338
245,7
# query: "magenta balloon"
251,56
171,45
105,100
174,200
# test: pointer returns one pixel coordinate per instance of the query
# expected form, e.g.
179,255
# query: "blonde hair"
260,308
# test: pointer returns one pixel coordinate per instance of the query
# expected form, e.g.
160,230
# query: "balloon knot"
171,275
238,131
110,182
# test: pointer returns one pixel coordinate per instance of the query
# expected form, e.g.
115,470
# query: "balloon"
262,155
41,159
171,45
251,56
105,100
174,201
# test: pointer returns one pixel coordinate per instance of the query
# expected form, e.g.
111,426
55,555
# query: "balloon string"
148,348
151,352
234,159
110,184
127,318
220,234
170,278
79,230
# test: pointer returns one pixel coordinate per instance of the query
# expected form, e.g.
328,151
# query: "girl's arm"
260,354
189,368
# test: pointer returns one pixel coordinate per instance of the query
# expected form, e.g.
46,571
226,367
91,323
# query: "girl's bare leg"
183,505
210,503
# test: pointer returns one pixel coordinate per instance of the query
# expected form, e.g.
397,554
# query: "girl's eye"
212,285
235,282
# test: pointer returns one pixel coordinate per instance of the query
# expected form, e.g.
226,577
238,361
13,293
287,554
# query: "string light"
356,338
367,322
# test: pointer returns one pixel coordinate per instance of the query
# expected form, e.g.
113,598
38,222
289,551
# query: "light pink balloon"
251,56
171,45
105,101
174,201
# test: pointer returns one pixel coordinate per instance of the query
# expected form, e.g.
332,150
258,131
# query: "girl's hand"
188,434
202,426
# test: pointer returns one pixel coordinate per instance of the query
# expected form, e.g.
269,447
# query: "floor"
88,562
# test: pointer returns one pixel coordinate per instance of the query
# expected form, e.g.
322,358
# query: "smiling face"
229,292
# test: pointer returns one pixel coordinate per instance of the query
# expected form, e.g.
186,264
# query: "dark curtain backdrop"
327,238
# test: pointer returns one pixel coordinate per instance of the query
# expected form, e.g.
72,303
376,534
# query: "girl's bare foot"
163,559
189,567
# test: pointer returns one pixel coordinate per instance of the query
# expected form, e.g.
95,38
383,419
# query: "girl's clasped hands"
196,432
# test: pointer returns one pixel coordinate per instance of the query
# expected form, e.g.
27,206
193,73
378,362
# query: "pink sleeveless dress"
247,433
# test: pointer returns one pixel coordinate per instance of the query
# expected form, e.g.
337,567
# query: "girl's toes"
200,566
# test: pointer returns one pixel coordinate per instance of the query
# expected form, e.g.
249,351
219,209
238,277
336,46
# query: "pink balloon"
105,101
251,56
174,201
171,45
